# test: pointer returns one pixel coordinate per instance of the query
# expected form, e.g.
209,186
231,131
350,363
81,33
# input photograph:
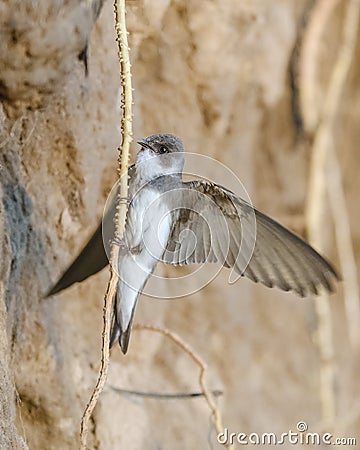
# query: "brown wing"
93,256
212,224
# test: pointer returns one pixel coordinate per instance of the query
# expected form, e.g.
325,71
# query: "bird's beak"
143,143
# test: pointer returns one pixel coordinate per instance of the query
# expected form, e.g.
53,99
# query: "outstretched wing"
214,225
93,257
91,260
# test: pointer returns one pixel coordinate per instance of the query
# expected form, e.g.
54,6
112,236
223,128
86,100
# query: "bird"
192,222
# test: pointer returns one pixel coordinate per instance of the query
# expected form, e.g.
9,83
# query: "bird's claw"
124,246
123,200
120,243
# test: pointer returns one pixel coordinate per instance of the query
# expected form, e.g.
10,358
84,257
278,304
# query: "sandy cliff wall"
215,73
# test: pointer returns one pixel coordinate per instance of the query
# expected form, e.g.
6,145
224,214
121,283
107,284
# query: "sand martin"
198,221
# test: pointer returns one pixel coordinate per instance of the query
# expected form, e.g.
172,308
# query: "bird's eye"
163,149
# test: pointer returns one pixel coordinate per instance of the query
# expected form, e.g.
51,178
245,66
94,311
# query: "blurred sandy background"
229,78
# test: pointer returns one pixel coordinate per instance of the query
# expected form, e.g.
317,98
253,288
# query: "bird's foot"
136,250
120,243
123,200
124,246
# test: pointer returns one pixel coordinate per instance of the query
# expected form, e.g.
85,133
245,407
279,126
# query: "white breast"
148,222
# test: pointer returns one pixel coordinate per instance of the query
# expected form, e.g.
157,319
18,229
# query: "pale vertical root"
316,197
202,382
126,121
324,341
124,150
345,249
309,56
108,301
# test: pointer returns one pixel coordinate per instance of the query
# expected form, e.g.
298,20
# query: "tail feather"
120,328
123,337
115,330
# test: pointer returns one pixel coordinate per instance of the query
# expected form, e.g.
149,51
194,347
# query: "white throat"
150,166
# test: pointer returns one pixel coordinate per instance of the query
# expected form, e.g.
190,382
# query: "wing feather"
229,231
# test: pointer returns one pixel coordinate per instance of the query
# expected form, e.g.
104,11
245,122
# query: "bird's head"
161,154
